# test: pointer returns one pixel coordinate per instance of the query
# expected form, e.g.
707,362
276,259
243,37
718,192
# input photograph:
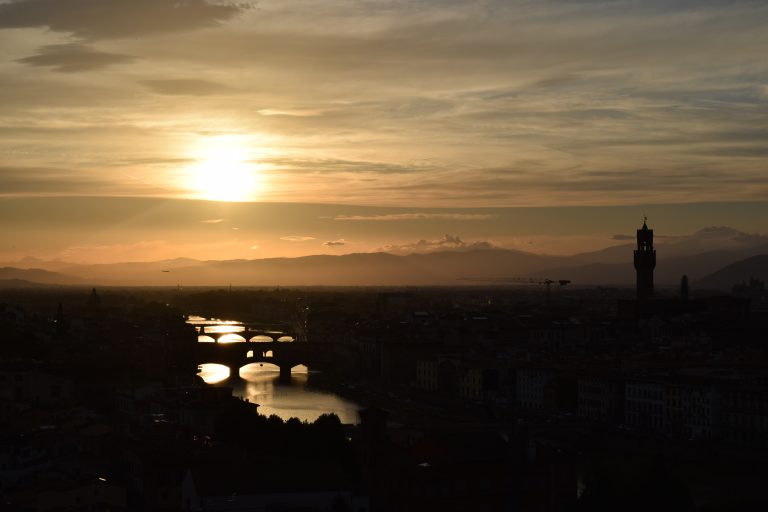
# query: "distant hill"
737,273
145,272
38,276
668,270
21,283
32,262
697,255
441,268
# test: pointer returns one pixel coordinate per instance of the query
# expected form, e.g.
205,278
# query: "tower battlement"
645,262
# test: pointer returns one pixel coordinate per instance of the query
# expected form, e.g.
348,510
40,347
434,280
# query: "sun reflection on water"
213,373
260,384
261,381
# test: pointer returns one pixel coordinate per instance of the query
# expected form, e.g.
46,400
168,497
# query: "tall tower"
645,262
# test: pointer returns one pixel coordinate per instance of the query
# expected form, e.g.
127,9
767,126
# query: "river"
260,384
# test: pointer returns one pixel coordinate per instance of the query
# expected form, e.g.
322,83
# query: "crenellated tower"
645,262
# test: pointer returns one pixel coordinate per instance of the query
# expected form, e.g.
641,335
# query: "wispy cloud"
73,57
212,221
417,216
116,18
298,112
333,165
293,238
44,181
446,243
184,87
438,104
335,243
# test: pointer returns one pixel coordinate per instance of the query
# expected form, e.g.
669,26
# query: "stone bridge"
247,334
258,343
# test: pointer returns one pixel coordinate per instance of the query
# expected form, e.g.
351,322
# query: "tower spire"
645,261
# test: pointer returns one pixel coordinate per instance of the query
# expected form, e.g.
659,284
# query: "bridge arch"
212,373
260,354
261,366
230,337
287,357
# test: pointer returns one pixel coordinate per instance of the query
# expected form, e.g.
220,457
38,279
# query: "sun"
224,170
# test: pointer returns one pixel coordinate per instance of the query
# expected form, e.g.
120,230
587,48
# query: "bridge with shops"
255,345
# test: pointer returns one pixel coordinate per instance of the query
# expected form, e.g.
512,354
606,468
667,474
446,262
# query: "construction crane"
524,280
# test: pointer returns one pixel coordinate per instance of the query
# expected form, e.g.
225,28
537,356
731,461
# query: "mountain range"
716,257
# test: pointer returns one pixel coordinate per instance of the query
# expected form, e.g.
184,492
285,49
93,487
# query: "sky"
147,129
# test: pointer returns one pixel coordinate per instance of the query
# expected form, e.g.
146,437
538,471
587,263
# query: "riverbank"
405,410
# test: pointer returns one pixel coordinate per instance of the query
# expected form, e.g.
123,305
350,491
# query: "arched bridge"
283,354
247,333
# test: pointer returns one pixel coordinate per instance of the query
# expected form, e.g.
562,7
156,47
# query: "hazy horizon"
109,230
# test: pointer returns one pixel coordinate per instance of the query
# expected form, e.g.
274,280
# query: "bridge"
247,333
259,346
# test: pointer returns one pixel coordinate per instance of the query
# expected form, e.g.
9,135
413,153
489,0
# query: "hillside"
737,273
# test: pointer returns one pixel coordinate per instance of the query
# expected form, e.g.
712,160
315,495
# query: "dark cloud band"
70,58
106,19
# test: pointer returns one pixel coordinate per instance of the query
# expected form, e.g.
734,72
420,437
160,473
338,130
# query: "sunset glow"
240,130
224,171
429,254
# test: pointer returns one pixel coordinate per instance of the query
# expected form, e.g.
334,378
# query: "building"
645,262
532,388
601,398
23,381
645,405
693,409
426,375
745,415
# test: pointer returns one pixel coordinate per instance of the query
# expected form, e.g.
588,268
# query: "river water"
259,383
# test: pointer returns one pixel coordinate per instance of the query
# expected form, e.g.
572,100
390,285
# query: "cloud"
212,221
446,243
73,57
500,102
293,238
290,112
254,247
184,87
45,181
417,216
622,237
107,19
726,233
331,165
335,243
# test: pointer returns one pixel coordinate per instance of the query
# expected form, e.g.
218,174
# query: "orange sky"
459,106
